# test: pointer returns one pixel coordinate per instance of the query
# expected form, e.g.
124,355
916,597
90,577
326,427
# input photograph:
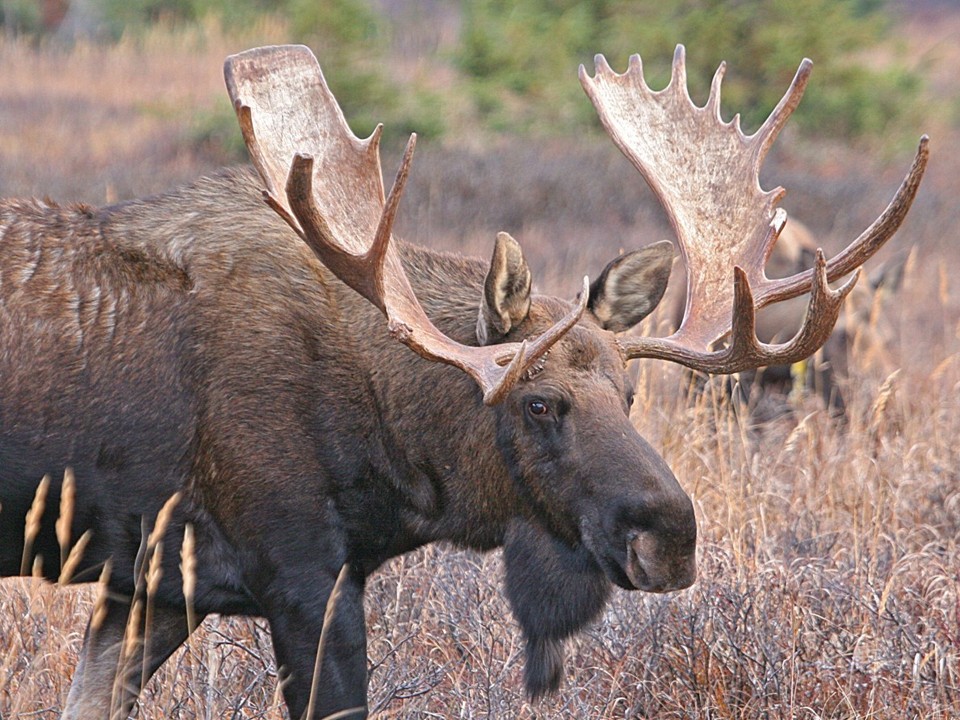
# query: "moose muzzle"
652,565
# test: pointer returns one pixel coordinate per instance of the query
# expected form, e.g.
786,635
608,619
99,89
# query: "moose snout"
645,545
658,541
640,524
653,566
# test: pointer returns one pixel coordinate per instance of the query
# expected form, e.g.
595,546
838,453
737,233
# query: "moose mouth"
644,563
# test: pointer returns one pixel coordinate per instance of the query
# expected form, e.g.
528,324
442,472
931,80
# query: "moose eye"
538,408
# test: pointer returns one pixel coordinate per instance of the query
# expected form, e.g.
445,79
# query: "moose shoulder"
217,372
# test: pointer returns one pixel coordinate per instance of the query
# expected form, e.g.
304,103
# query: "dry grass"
97,124
829,563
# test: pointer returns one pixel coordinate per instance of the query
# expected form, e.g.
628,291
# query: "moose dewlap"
221,373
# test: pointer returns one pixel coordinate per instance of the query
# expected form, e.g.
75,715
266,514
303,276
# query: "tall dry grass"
829,565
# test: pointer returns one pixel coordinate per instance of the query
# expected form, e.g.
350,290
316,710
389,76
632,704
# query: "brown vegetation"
829,579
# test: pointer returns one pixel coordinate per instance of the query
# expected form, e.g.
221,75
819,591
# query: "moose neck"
440,437
416,429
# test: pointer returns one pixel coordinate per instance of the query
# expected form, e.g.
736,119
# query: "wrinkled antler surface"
705,173
327,184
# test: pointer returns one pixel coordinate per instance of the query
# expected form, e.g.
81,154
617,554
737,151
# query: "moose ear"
630,287
506,291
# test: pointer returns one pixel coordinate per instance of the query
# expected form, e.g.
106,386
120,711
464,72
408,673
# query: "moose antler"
705,173
327,184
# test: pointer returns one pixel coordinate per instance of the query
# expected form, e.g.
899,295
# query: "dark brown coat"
192,343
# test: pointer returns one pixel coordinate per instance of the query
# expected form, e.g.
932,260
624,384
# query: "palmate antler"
705,172
327,184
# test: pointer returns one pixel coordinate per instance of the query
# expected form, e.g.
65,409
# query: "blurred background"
103,100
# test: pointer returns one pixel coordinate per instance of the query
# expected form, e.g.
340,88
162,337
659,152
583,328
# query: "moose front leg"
112,669
301,610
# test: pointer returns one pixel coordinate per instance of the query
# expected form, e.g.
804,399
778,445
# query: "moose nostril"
638,550
653,568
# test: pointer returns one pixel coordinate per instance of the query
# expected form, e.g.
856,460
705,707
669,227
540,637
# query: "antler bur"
705,172
327,184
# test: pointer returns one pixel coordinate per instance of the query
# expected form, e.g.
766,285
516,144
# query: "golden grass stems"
132,637
151,540
68,492
322,643
32,523
802,434
940,370
943,288
188,572
149,572
132,642
9,657
100,606
879,410
74,558
154,574
163,519
155,570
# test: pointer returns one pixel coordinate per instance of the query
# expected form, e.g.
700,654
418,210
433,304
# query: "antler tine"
678,71
705,172
713,102
333,198
770,291
768,132
744,351
363,273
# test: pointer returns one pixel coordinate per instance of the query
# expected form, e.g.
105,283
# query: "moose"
222,368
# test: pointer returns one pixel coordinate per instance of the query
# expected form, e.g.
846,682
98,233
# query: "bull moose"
222,367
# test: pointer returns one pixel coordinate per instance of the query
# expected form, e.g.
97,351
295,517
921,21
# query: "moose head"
554,373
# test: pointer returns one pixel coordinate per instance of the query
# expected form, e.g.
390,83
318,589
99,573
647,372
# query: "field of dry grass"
830,551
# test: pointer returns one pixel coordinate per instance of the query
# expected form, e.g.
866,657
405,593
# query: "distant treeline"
514,61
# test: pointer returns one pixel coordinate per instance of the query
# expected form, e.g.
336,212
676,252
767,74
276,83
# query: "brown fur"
192,343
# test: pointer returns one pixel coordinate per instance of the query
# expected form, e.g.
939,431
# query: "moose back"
208,371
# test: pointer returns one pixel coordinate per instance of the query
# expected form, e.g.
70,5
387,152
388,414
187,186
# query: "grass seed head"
64,523
32,522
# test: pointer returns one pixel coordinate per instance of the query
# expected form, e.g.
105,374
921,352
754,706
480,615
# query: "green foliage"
215,133
20,16
518,58
131,16
349,38
521,57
